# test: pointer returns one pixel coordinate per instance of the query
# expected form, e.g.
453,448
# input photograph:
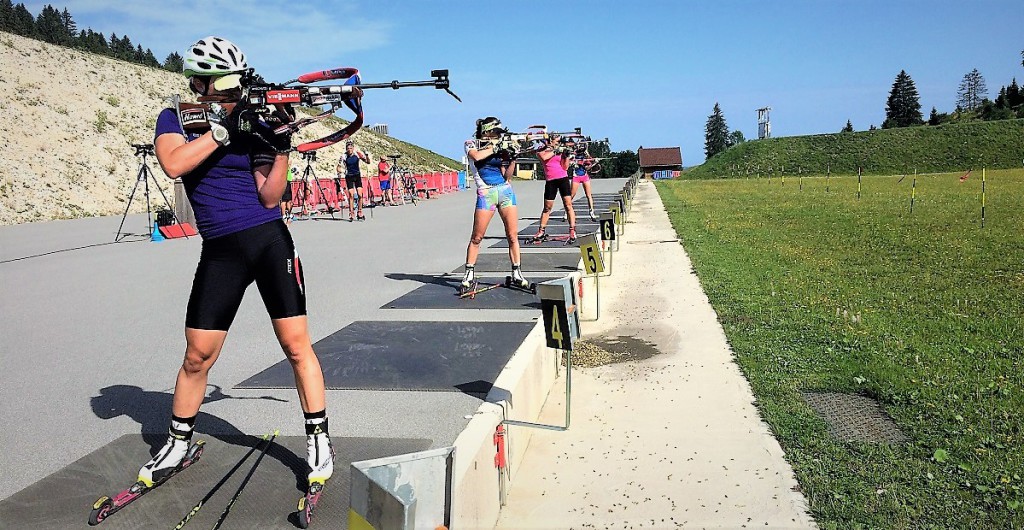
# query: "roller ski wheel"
105,506
524,285
467,290
307,504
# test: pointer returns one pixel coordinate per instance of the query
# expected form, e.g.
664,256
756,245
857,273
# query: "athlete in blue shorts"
492,167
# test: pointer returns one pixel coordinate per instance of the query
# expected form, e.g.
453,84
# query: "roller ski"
571,239
593,216
320,457
538,238
477,289
517,282
149,478
468,285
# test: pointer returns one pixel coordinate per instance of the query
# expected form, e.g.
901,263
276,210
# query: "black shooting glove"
264,133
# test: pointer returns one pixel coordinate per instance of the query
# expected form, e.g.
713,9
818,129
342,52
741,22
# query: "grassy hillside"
69,120
950,147
821,291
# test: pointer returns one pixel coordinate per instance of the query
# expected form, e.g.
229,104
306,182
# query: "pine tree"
1001,101
933,118
150,60
22,21
1014,97
49,26
70,28
903,108
848,128
716,133
972,91
6,14
174,62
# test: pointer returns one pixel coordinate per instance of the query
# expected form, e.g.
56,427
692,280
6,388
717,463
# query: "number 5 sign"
593,262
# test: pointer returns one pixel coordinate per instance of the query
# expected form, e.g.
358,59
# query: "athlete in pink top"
556,164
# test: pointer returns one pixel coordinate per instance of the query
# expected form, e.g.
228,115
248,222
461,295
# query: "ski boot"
538,238
571,240
593,216
469,283
321,469
154,473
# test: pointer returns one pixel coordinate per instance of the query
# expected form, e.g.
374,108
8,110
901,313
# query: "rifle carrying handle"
327,75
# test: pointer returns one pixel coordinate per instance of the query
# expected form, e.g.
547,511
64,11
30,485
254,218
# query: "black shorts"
228,264
354,182
287,197
562,186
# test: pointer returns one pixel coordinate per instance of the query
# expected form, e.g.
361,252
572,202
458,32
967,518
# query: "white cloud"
278,36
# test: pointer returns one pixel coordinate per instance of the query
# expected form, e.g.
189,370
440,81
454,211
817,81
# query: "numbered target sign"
556,317
616,209
593,263
608,226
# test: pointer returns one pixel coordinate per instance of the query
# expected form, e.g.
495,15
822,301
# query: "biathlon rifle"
276,102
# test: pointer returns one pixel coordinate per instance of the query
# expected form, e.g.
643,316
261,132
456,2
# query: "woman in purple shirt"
234,179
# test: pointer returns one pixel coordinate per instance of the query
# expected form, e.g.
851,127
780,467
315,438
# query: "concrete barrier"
519,393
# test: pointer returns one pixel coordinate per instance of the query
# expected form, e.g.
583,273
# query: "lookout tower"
764,123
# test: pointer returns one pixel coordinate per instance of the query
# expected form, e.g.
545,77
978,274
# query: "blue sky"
642,73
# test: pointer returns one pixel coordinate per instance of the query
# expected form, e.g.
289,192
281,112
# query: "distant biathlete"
555,158
581,162
492,167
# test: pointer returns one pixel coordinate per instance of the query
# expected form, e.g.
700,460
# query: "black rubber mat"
534,262
557,239
558,227
442,292
65,498
389,355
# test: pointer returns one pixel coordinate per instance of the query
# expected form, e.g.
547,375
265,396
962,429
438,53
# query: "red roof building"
660,162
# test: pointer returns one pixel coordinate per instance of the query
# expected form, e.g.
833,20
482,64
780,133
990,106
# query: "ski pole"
195,509
245,481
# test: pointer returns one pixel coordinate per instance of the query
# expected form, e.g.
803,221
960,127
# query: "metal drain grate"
855,418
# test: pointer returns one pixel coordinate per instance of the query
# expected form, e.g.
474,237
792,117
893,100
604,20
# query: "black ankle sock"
316,422
191,421
184,434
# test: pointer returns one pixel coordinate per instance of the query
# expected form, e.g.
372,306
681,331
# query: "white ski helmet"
213,56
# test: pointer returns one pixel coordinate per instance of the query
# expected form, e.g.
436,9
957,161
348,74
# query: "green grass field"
949,147
922,311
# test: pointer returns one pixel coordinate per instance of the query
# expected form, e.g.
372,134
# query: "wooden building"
660,162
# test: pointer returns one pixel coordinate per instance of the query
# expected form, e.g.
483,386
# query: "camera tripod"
308,172
402,176
145,150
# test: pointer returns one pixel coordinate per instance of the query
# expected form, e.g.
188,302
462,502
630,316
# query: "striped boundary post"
983,197
913,191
